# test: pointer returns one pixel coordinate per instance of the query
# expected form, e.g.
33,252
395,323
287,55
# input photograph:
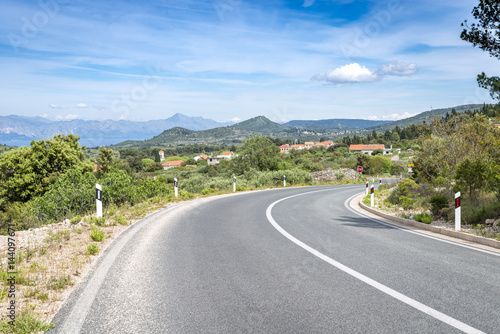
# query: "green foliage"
259,153
105,160
403,193
474,214
424,218
72,193
471,175
99,221
29,172
59,283
96,234
438,202
485,34
26,322
120,219
93,249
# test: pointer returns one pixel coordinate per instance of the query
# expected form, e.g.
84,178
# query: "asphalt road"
293,260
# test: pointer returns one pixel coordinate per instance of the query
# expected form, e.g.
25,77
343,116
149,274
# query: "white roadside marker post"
284,180
458,226
98,199
380,181
175,188
234,184
372,199
366,191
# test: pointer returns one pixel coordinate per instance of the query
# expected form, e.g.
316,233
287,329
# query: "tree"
105,160
486,35
260,153
472,174
30,171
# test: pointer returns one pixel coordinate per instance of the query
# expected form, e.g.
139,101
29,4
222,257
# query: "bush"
93,249
99,221
424,218
405,189
96,234
438,202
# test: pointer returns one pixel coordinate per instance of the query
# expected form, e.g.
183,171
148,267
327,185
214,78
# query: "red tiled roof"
297,146
227,153
366,147
175,163
285,146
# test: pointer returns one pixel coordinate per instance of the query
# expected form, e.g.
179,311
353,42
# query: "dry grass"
52,262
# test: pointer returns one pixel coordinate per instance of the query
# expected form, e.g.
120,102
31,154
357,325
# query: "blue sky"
236,59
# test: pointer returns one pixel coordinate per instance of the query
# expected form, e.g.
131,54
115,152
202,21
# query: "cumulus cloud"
44,115
68,117
396,67
236,119
81,105
350,73
355,73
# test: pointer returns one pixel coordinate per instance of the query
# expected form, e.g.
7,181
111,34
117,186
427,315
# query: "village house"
201,157
369,149
162,155
285,149
172,164
217,159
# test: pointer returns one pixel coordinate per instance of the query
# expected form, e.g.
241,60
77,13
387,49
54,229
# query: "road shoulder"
434,231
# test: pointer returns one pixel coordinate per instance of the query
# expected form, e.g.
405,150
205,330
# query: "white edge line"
379,286
346,204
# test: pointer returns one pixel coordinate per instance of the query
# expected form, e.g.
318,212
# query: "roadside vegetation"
459,153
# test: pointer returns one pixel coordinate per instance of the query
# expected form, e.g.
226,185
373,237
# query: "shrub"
99,221
96,234
120,219
404,189
438,202
93,249
424,218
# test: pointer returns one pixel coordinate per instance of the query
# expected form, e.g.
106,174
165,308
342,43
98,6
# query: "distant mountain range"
20,130
183,130
426,116
335,124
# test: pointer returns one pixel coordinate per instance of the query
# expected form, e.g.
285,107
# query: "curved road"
294,260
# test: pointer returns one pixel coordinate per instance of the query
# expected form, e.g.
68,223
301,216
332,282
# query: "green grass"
96,234
26,322
59,283
93,249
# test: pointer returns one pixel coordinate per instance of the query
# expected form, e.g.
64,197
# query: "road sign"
411,165
360,169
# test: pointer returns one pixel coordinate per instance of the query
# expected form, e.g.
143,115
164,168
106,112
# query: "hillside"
325,125
425,116
234,134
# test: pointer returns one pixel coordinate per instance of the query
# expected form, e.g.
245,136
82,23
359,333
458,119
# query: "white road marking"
379,286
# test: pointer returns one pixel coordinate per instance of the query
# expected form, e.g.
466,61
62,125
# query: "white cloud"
236,119
68,117
81,105
99,107
56,106
350,73
396,67
43,115
391,117
308,3
355,73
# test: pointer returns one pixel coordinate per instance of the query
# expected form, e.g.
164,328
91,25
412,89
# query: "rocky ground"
335,175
